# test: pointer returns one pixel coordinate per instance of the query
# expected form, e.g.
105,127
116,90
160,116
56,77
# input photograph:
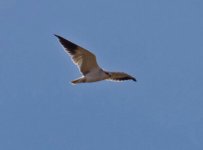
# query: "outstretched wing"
120,76
85,60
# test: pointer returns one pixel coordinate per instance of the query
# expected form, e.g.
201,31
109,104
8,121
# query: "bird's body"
93,76
87,64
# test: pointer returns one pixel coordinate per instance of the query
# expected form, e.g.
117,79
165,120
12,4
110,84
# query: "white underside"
95,75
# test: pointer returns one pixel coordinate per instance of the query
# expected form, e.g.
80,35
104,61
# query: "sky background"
160,42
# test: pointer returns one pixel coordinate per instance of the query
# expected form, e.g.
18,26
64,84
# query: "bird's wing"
120,76
85,60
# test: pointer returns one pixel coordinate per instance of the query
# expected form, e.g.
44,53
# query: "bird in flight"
87,64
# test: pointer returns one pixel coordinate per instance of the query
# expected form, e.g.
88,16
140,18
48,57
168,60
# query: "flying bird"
87,64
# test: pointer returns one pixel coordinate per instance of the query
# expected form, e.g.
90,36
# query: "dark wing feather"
120,76
84,59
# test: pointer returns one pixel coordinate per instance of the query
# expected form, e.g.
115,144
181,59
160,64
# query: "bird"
88,66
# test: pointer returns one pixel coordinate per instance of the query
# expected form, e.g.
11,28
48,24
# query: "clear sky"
160,42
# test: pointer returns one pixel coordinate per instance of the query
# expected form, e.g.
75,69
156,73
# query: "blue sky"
160,42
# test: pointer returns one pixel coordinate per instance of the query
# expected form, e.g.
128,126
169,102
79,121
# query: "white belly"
96,75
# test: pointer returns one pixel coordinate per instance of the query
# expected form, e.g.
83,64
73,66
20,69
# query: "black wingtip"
57,36
68,45
134,79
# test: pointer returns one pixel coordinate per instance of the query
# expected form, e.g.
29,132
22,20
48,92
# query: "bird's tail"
80,80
